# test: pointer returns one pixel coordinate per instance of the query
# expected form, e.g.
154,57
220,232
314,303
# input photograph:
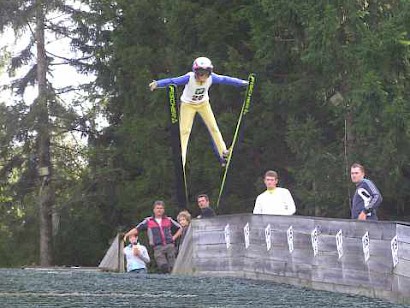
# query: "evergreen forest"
332,88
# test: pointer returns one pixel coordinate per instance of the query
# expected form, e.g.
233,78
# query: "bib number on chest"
199,94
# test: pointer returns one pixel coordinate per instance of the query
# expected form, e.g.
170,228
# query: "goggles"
202,72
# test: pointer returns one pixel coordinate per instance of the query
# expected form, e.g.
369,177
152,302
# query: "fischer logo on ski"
173,105
180,176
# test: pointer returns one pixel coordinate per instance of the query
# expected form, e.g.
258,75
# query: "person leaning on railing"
159,229
203,204
367,198
275,200
184,219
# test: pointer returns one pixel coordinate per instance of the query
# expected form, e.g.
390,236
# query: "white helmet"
202,63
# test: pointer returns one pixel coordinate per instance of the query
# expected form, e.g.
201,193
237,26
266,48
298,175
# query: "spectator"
367,198
136,256
275,200
206,210
159,229
184,219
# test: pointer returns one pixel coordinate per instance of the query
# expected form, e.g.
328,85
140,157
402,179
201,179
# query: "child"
137,256
195,98
184,219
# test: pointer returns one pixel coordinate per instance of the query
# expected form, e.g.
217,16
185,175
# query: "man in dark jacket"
206,210
367,198
159,229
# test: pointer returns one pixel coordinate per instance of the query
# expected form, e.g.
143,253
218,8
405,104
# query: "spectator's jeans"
139,271
165,257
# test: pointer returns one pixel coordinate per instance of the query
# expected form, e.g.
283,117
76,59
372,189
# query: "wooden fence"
340,255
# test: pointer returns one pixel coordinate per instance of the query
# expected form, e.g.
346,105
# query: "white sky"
62,75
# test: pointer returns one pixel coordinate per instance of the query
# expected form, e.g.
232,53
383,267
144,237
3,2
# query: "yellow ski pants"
186,120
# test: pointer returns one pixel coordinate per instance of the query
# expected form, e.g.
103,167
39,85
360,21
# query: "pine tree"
37,127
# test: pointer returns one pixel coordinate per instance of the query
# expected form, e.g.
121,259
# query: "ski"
244,111
181,184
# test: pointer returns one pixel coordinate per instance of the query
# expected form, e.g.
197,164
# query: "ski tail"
180,174
244,111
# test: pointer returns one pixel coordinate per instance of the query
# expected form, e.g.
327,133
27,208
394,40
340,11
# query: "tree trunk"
46,195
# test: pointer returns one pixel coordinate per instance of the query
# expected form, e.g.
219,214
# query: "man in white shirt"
275,200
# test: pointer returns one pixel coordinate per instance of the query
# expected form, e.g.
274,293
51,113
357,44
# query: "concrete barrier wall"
114,260
361,262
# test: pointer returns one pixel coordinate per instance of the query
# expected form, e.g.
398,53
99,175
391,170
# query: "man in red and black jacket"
159,229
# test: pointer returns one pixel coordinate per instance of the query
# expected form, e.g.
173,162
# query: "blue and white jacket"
367,198
196,92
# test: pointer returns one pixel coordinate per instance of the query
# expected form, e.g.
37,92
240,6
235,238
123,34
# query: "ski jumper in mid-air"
195,99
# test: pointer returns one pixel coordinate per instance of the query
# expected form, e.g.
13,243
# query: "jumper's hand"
153,85
362,216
